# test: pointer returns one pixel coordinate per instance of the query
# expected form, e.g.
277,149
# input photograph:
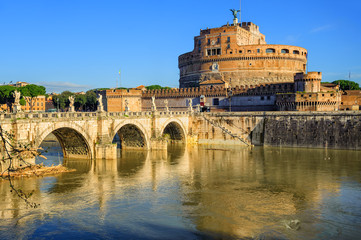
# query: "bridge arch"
175,129
132,134
74,141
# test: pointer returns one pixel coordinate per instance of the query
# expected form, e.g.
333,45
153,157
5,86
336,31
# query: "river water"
193,193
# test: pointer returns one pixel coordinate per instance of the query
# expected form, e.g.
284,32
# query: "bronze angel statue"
235,12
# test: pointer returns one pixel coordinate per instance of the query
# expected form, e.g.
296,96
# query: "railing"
48,115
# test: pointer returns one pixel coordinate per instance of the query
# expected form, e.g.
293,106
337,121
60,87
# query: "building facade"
239,55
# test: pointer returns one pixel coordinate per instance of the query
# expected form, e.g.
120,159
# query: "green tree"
30,92
91,100
6,95
80,102
155,87
347,85
61,101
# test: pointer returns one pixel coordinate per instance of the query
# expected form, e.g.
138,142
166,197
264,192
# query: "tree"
91,100
155,87
30,92
347,85
80,102
6,95
61,101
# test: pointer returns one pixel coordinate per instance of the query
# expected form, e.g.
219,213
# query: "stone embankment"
339,130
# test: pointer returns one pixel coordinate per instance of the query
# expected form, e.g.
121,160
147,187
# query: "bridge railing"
48,115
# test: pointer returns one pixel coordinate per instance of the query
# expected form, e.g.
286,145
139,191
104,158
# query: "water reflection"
194,192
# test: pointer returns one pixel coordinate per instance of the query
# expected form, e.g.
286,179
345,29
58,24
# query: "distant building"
19,84
39,104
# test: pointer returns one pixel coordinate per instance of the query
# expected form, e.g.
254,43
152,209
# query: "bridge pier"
106,151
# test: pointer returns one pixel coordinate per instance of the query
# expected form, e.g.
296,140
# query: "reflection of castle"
232,68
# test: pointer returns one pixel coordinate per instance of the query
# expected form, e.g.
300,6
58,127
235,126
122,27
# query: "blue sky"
82,44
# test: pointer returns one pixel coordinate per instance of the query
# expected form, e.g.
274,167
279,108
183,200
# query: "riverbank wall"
338,130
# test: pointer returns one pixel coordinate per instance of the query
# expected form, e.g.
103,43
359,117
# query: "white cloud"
63,86
321,28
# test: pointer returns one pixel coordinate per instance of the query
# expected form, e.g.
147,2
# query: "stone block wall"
332,130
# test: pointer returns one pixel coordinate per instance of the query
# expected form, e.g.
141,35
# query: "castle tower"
241,56
310,82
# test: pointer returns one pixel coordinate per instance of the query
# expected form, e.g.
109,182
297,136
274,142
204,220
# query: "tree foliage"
156,87
6,95
91,101
347,85
87,102
31,91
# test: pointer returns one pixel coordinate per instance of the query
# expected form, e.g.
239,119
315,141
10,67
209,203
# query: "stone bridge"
90,134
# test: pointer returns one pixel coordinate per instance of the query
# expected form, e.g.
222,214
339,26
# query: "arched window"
270,50
285,51
296,52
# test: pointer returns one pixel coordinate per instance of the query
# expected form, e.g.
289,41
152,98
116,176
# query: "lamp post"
229,90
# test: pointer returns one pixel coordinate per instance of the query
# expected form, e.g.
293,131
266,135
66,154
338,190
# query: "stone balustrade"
72,115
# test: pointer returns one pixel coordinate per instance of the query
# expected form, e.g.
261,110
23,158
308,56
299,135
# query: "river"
193,193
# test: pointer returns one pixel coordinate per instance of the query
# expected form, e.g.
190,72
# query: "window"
228,46
258,50
209,41
285,51
270,50
296,52
249,51
228,39
262,98
199,49
213,51
240,51
268,97
218,40
199,42
231,52
215,101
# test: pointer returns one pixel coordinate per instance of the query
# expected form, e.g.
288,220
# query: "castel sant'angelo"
232,68
239,54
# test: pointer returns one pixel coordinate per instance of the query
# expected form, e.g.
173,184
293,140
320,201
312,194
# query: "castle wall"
114,100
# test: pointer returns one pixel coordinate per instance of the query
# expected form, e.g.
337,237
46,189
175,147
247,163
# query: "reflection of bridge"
90,135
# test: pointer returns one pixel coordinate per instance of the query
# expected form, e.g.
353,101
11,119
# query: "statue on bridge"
100,103
190,105
71,104
126,108
154,107
16,104
166,105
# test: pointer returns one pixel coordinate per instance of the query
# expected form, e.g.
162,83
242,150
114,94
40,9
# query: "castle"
232,68
238,54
